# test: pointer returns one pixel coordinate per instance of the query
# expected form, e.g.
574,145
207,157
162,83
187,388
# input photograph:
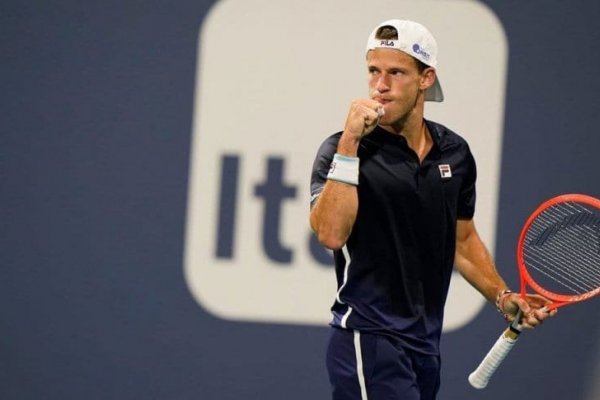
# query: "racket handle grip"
490,363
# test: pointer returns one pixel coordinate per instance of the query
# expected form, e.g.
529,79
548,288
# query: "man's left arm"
475,264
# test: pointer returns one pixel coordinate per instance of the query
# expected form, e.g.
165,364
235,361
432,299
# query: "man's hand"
362,118
534,308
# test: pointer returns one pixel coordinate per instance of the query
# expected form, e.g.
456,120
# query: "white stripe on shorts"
359,366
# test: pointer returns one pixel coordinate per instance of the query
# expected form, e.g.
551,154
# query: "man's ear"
427,78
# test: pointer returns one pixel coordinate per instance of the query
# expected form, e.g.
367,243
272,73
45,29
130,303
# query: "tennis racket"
558,256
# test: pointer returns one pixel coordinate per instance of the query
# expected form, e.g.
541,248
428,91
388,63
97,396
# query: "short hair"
388,32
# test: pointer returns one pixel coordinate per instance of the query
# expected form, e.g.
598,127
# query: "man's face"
395,81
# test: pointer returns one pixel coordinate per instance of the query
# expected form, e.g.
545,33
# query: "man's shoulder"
329,145
334,138
444,135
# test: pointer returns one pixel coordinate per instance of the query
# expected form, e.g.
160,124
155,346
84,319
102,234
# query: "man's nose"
382,84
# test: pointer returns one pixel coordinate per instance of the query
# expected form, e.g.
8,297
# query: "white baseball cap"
416,41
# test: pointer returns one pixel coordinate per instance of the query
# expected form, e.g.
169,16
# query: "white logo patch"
445,171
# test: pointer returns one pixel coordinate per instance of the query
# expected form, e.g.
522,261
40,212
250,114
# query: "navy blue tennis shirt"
394,272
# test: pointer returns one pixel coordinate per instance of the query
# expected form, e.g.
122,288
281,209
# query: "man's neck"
414,130
419,140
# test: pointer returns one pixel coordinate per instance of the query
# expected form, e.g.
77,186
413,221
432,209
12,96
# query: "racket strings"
576,277
577,247
569,259
563,245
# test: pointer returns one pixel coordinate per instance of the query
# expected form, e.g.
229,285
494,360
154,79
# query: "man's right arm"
334,212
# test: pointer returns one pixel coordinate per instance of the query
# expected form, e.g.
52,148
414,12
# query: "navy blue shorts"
365,366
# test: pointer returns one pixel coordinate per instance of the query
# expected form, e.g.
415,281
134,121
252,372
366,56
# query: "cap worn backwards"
415,40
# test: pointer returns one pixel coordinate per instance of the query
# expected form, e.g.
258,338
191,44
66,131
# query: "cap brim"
435,93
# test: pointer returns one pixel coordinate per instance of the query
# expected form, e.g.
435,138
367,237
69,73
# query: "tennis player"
394,196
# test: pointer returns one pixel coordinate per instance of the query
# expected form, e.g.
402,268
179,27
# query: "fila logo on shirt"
445,171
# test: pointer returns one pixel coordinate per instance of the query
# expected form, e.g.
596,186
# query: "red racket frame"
559,300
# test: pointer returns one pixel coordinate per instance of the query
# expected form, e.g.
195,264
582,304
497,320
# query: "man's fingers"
536,317
363,117
370,115
522,304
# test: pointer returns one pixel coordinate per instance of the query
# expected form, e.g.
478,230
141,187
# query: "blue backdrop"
96,105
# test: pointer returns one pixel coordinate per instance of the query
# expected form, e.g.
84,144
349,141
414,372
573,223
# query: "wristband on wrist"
500,299
344,169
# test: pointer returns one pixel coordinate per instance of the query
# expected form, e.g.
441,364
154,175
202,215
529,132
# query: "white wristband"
344,169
